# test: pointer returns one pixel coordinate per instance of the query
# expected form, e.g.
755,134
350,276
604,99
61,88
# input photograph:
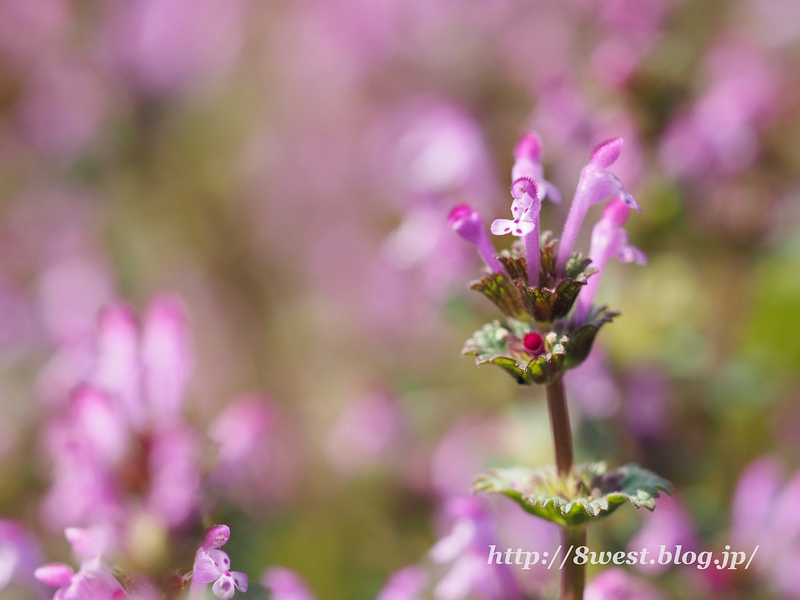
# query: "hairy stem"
573,577
559,422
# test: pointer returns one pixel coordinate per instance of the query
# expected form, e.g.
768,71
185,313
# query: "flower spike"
468,223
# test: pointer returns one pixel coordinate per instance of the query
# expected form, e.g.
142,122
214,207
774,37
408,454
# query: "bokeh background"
285,171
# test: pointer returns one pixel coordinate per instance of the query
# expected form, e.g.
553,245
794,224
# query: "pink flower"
616,584
609,240
93,581
405,584
212,564
468,224
465,549
595,185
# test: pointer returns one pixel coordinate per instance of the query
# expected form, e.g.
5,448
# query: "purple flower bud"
534,344
469,225
527,163
529,148
609,240
595,185
606,153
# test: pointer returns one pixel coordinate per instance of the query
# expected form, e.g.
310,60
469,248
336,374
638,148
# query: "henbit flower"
668,526
609,240
595,185
764,514
527,163
93,581
525,223
465,547
468,224
212,564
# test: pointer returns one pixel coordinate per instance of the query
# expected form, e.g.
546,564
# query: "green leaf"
580,340
589,492
505,295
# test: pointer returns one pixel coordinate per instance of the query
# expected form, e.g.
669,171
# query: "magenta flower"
93,581
464,548
524,223
595,185
764,513
212,564
468,224
609,240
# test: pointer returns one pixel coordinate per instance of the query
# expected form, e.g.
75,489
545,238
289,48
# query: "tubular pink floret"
606,153
609,240
595,185
468,224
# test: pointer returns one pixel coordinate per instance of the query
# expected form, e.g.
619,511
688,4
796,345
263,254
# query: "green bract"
588,492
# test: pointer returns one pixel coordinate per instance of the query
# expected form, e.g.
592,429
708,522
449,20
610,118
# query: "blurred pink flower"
213,565
20,554
257,461
670,526
592,386
719,134
764,513
63,106
465,549
367,429
405,584
30,28
616,584
285,584
94,580
164,47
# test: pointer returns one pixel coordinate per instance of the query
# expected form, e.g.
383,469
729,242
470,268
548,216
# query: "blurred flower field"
232,310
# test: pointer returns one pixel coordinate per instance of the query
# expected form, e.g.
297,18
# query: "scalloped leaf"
589,492
581,340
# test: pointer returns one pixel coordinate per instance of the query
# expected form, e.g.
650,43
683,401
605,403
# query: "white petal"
502,226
